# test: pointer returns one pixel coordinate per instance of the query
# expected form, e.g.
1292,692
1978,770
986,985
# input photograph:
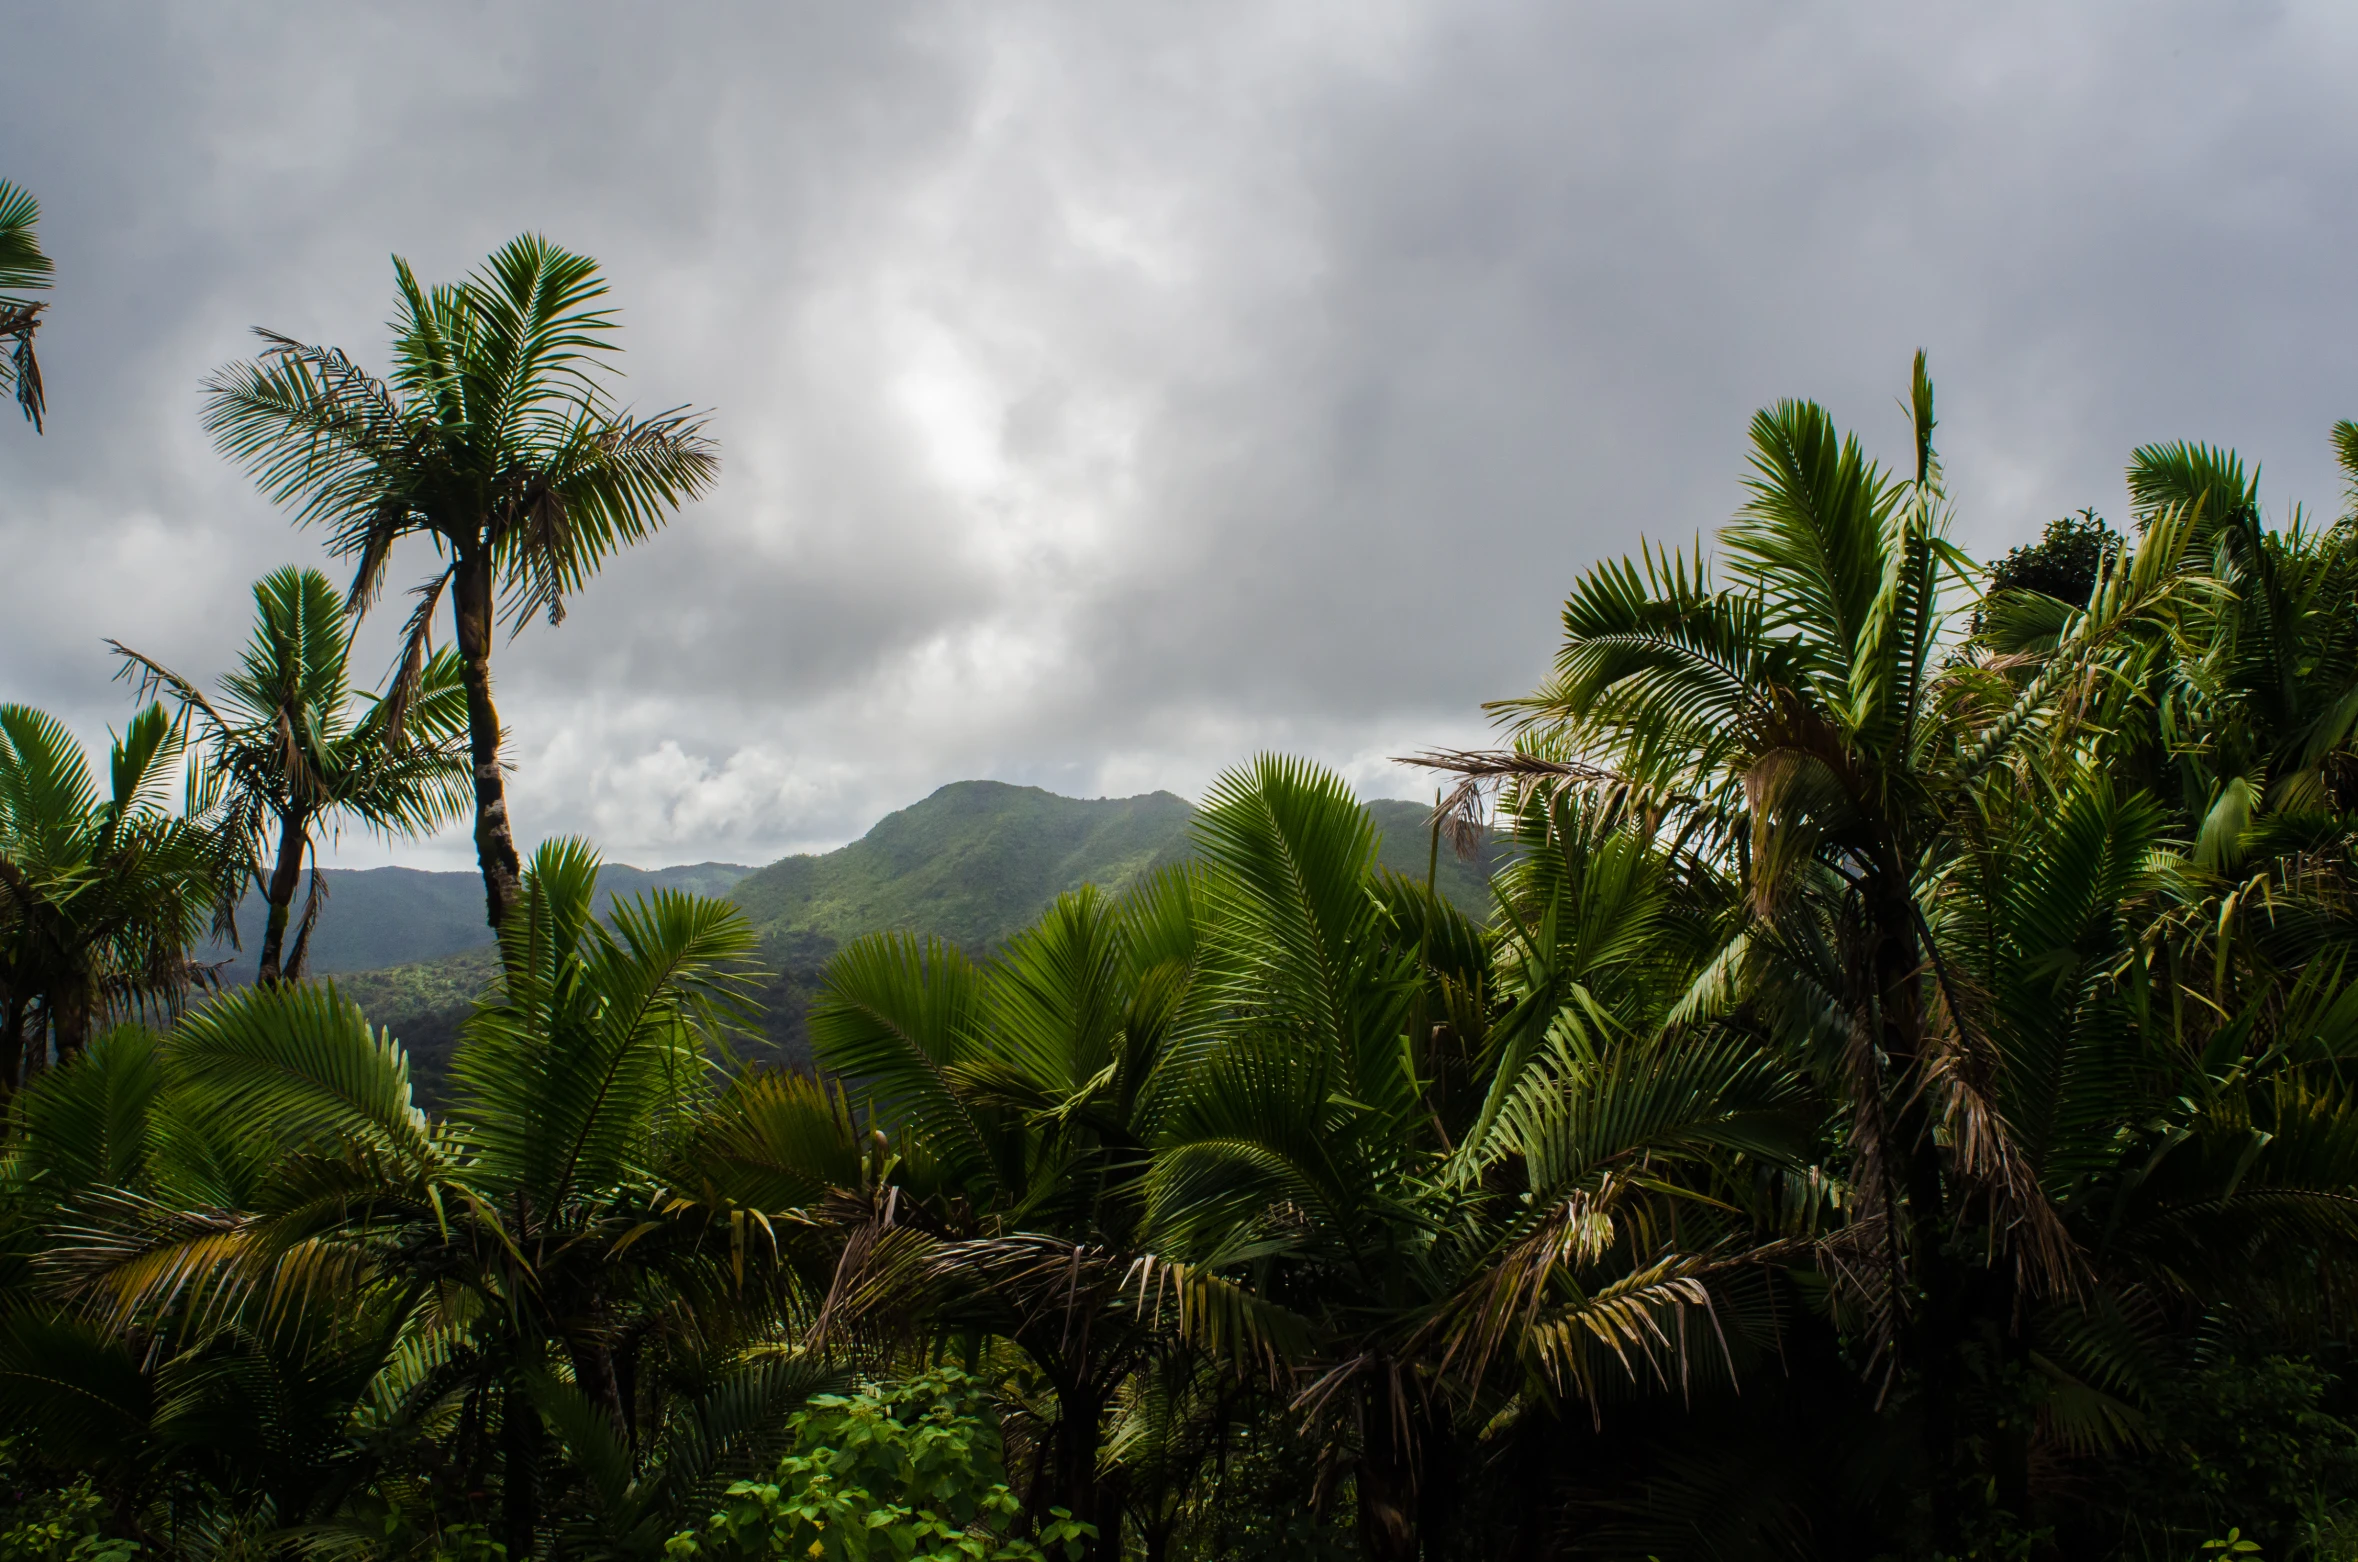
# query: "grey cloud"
1108,391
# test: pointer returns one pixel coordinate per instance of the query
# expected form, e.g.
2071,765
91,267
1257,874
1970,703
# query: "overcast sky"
1108,392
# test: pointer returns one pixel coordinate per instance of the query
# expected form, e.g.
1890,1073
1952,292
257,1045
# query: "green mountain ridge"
973,863
978,860
377,917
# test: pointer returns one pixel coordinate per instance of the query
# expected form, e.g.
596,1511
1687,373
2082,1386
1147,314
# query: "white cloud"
1109,392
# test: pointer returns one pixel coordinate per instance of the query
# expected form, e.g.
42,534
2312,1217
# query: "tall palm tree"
23,269
1434,1158
1792,718
496,441
290,747
101,894
1820,744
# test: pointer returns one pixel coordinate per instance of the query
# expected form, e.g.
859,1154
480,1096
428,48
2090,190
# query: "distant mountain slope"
980,859
974,863
377,917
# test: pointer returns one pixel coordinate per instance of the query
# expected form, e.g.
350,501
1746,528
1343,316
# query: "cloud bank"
1107,392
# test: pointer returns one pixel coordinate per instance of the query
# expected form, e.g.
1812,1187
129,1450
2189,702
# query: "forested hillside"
973,863
370,918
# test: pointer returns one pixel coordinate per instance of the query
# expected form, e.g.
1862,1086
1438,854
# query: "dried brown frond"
1463,813
1960,1070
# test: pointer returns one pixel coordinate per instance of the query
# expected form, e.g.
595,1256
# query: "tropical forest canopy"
976,863
1888,1101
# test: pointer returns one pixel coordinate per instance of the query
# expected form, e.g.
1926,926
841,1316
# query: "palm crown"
289,746
23,269
101,893
495,439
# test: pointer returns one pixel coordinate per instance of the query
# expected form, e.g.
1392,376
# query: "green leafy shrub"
911,1471
2250,1442
43,1522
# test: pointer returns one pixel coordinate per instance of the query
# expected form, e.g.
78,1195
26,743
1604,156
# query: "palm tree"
101,895
291,747
23,269
1016,1212
1818,744
544,1257
1437,1153
248,1411
496,441
1792,718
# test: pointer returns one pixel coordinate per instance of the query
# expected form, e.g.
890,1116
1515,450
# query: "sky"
1107,393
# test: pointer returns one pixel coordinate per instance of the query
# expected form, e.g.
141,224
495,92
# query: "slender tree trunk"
519,1473
495,838
1387,1505
279,895
594,1374
71,1017
1072,1482
1387,1482
1933,1340
12,1048
36,1041
1074,1475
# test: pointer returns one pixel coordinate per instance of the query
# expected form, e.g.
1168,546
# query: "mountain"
979,860
974,863
376,917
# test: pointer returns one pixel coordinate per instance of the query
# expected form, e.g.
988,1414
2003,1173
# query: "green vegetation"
972,863
1881,1088
911,1469
980,860
975,863
290,747
372,918
104,891
23,269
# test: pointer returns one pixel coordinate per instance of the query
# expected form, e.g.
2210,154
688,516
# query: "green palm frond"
304,1059
85,1123
898,1014
79,1391
45,783
1810,541
314,430
23,269
598,1037
773,1143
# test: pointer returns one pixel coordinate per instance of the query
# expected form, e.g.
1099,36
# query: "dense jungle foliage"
1895,1104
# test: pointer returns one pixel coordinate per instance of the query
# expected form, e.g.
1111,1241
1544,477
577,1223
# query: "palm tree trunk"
1934,1337
1387,1503
1387,1480
594,1374
71,1020
35,1045
293,837
495,838
1073,1483
12,1047
519,1473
